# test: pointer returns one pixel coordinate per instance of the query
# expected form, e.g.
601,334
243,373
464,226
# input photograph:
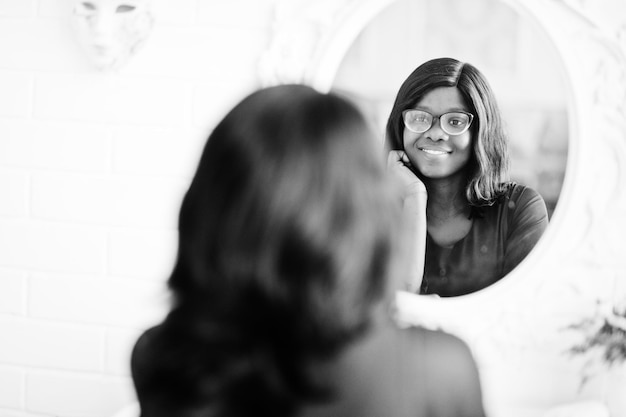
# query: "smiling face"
435,153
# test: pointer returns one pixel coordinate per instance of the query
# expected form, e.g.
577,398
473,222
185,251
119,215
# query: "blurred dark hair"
287,237
489,163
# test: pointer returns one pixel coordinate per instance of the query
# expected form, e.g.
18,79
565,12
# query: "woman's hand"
414,213
398,165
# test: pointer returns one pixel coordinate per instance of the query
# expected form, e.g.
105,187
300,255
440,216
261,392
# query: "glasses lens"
455,123
417,121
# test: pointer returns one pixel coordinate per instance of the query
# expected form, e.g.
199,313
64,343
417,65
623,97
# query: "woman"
289,245
448,147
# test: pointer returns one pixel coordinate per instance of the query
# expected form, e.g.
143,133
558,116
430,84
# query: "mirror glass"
516,56
518,59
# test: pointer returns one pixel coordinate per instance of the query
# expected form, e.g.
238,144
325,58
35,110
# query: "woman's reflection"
449,149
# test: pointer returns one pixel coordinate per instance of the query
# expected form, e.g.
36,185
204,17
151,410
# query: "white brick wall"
107,301
12,292
11,387
93,167
157,254
76,394
14,187
38,44
17,93
17,8
57,146
51,246
51,345
92,170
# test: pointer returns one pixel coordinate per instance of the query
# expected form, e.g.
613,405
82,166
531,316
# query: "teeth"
434,152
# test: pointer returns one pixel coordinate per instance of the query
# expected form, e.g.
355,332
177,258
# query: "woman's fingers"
397,157
398,164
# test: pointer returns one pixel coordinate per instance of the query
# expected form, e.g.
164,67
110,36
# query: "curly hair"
287,241
489,163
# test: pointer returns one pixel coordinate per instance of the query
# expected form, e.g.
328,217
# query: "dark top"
500,238
391,372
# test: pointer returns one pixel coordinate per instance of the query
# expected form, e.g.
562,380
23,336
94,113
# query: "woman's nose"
435,132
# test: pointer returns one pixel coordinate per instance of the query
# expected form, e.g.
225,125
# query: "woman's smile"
434,151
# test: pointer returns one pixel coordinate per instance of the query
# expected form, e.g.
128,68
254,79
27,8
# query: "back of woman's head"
287,234
489,163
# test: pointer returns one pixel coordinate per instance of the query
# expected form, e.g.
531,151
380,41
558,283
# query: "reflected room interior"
521,63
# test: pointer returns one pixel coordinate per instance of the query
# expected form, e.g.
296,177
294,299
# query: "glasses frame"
432,121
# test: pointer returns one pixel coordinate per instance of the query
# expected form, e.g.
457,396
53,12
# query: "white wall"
93,167
92,171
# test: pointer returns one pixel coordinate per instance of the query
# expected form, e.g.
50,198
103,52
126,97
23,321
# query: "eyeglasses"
453,123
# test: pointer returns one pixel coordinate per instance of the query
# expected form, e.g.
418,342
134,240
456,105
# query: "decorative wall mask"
111,31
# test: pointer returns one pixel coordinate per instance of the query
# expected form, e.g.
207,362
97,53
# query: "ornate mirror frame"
580,262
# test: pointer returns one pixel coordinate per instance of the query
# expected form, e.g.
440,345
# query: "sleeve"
453,388
528,219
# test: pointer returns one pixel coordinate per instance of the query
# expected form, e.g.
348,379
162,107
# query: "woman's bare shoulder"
439,353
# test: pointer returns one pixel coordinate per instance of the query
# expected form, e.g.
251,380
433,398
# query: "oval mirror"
514,327
518,59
